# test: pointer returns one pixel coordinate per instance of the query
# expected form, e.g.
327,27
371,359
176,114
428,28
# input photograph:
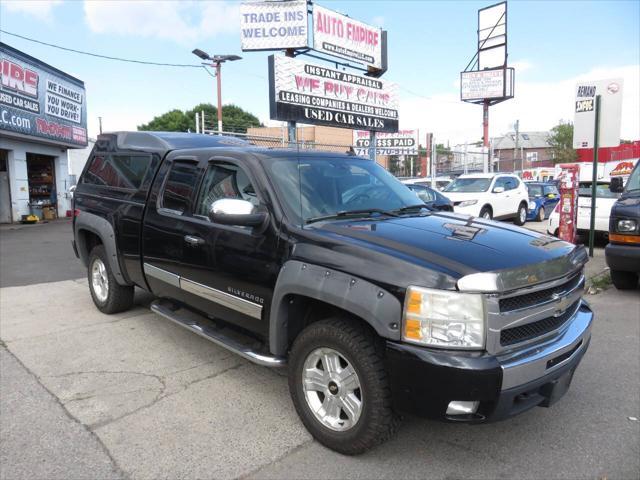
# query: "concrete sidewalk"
134,395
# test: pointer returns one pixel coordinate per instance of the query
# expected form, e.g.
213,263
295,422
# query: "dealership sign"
486,84
344,37
273,25
402,142
307,93
610,92
40,101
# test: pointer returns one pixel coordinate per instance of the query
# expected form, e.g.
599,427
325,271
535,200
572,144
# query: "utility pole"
517,139
100,125
216,62
485,123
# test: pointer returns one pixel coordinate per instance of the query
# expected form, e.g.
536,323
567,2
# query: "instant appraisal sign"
402,142
273,25
342,36
40,101
313,94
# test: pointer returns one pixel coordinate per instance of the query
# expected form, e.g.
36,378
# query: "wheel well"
488,206
87,241
302,311
526,205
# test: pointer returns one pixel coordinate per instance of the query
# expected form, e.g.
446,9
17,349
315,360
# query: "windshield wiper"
412,207
349,213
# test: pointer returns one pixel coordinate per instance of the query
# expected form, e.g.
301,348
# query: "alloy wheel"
99,280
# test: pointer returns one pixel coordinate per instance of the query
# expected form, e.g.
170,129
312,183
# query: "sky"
552,45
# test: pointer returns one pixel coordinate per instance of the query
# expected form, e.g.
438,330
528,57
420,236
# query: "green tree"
234,119
561,141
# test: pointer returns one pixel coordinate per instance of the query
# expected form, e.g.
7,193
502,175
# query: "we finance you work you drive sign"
307,93
38,100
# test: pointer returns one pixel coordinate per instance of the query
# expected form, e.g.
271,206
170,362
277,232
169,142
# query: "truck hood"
627,206
450,244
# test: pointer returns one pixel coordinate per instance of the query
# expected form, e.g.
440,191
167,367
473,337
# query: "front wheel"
624,280
339,386
107,294
486,213
521,216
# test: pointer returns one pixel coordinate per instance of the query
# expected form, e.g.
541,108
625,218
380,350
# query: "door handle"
192,240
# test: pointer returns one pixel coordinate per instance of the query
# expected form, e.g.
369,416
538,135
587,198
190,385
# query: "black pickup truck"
325,264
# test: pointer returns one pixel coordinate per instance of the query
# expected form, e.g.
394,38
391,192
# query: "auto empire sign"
39,101
344,37
273,25
403,142
312,94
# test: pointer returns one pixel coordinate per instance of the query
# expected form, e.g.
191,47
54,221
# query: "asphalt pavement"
88,395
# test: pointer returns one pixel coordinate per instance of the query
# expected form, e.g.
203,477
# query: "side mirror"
616,185
232,211
498,190
551,195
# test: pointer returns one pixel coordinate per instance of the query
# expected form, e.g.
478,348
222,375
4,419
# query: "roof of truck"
166,141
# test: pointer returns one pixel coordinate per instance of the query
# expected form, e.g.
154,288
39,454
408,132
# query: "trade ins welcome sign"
313,94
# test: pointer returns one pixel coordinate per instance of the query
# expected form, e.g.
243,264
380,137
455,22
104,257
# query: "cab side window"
224,180
178,190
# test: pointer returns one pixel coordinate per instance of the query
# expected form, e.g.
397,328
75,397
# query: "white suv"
490,195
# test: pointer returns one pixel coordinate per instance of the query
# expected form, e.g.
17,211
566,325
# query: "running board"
219,338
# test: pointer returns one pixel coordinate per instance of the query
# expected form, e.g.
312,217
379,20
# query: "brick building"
528,150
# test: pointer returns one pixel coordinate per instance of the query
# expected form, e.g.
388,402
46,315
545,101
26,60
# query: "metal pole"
202,121
100,124
485,123
434,159
372,145
218,71
291,127
197,123
594,177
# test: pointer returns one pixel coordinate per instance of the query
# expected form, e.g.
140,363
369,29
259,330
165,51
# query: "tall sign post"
598,108
487,80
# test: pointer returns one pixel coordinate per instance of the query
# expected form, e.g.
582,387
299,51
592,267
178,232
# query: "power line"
107,57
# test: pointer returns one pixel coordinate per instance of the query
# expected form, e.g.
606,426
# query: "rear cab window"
117,171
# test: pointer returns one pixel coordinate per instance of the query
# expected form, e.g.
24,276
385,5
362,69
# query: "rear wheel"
540,216
339,386
486,212
107,294
521,216
624,280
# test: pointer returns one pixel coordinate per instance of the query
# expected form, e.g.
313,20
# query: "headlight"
466,203
532,205
443,318
626,226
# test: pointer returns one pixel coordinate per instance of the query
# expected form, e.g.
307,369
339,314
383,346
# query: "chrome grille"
534,298
510,336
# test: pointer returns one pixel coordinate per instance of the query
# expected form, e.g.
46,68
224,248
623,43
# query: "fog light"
462,408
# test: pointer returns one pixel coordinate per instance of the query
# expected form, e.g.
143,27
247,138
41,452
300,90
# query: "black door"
224,271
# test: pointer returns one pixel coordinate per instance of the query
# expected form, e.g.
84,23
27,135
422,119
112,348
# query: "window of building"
120,171
532,156
180,185
224,180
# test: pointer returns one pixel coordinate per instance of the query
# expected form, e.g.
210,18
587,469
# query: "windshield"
321,186
468,185
602,191
534,190
633,184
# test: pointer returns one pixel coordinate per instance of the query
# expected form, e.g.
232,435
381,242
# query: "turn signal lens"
412,329
617,238
414,302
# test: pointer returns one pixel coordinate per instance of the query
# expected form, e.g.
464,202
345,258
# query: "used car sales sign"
344,37
313,94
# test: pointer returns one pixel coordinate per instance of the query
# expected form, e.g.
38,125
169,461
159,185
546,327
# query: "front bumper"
424,381
623,257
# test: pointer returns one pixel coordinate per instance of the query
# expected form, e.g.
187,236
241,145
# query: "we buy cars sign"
341,36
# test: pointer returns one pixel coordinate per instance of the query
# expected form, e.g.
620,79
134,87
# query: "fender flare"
104,230
376,306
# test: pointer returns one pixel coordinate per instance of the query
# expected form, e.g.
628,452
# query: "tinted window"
180,185
501,182
535,190
511,183
121,171
224,180
469,185
424,194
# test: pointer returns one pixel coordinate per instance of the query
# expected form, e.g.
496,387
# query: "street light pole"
216,62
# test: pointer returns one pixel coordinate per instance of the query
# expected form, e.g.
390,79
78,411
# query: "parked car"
543,197
623,251
604,201
441,182
432,198
490,195
327,264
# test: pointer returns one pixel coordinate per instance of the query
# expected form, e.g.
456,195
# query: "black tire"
119,297
541,215
377,421
521,215
486,210
624,280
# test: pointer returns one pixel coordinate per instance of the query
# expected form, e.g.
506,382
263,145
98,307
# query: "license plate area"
555,389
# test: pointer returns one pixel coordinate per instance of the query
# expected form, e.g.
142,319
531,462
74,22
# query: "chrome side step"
217,337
